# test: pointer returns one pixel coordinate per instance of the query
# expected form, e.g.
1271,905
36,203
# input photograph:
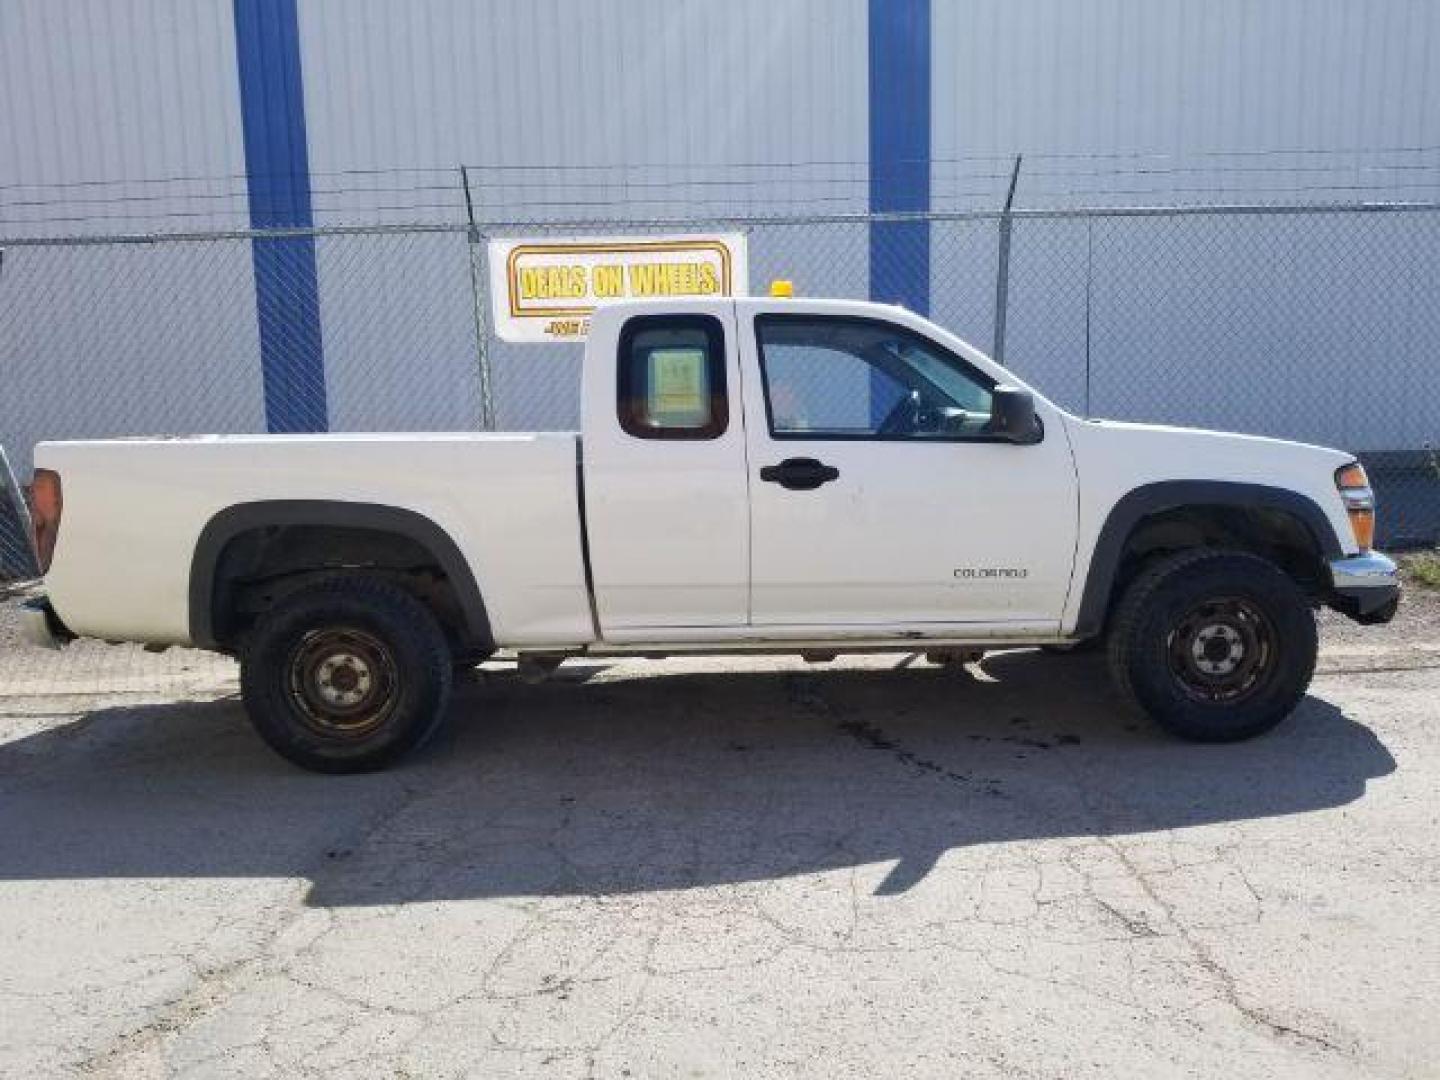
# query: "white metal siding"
1186,78
122,117
621,100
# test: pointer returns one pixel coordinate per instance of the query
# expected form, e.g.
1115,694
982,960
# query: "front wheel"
346,675
1216,646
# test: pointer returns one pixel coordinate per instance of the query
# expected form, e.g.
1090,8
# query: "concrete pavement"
716,868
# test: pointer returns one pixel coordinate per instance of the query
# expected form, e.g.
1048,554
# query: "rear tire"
1215,646
346,675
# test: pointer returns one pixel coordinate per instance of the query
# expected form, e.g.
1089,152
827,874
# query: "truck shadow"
624,784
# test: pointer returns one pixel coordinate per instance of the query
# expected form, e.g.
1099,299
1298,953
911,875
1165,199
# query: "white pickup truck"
752,475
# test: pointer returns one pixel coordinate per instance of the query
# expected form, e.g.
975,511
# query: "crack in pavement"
215,985
872,736
1202,954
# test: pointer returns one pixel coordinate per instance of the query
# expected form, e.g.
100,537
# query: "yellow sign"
546,290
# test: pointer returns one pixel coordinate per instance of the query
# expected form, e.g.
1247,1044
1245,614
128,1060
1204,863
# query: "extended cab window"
838,377
672,377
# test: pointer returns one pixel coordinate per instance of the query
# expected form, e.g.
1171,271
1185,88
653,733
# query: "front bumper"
1365,587
39,625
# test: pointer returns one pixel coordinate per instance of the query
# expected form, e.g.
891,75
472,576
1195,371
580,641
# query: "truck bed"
135,509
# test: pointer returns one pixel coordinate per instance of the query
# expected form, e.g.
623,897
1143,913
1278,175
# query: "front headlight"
1359,499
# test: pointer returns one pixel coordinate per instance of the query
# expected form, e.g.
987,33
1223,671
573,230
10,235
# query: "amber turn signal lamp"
46,503
1359,502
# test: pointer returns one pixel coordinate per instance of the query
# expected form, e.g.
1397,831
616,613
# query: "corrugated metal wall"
566,107
119,115
122,117
1185,77
125,115
137,101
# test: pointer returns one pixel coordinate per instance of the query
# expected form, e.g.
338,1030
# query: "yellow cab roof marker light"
1359,499
782,288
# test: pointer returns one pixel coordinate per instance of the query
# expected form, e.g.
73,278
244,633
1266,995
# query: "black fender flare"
1150,499
243,517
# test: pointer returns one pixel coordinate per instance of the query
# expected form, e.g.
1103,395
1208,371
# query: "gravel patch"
1418,620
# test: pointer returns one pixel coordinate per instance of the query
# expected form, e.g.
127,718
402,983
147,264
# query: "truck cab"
817,469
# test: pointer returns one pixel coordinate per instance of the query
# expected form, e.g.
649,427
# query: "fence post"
475,248
1002,269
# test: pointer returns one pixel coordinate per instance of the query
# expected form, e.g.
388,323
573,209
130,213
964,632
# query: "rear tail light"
46,504
1359,501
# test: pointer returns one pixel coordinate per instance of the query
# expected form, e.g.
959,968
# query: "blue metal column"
899,155
277,167
900,150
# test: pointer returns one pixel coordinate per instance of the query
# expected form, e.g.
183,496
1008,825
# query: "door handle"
800,473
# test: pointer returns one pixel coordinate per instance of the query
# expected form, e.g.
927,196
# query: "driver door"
879,496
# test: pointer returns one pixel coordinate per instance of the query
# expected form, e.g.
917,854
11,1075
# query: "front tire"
1215,646
346,675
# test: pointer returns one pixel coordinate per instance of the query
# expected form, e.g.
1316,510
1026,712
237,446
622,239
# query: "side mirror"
1012,415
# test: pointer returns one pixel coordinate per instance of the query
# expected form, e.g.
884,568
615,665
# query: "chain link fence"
1315,323
17,562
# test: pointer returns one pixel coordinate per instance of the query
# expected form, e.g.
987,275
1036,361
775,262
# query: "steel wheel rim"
1222,650
343,682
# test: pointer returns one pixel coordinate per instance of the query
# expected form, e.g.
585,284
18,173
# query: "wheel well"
1270,533
258,567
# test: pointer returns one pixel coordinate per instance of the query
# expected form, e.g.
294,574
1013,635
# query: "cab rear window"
672,377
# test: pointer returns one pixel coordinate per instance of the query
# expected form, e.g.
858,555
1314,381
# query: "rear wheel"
1216,646
346,675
